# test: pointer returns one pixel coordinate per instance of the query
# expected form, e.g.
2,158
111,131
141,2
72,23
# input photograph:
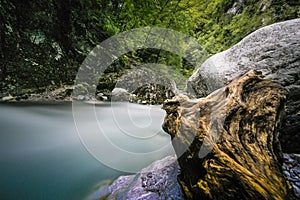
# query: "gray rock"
120,94
7,98
157,181
153,93
80,98
236,7
291,169
275,51
297,189
101,97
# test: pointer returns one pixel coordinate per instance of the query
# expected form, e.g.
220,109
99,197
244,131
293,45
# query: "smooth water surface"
42,156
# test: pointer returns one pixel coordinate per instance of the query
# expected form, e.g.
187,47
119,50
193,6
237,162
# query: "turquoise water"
42,156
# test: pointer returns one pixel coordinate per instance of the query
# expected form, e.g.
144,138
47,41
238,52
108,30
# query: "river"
45,155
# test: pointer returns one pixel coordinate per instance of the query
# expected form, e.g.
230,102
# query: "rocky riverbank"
61,94
152,187
142,85
147,94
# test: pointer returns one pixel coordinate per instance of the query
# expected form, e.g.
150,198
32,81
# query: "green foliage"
178,15
44,42
220,27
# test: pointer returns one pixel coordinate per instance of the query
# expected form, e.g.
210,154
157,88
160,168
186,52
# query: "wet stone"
291,168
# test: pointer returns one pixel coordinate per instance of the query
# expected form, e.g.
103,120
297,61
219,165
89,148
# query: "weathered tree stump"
227,143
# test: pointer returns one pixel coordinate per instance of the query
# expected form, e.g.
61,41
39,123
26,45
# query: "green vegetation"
44,42
224,23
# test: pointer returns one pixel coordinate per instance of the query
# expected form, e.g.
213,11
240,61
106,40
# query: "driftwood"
227,143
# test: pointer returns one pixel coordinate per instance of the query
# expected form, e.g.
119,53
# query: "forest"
44,42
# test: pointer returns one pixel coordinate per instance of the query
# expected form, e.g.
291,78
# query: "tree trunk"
227,143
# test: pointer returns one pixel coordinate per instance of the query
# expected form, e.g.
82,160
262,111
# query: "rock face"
158,181
227,142
274,50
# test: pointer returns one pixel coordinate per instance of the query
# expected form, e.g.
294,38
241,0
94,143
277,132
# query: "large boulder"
158,181
227,143
274,50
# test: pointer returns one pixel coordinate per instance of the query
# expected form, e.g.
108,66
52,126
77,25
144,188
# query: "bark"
227,143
